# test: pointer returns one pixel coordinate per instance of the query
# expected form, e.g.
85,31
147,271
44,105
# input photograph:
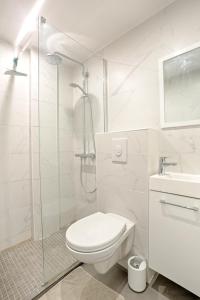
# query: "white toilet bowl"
100,239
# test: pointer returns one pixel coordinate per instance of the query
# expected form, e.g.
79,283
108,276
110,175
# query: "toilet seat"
95,232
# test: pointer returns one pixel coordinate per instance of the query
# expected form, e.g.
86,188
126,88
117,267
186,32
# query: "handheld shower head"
75,85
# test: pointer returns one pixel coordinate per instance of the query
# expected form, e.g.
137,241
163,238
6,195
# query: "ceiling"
94,23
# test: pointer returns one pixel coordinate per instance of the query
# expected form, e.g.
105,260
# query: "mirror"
180,89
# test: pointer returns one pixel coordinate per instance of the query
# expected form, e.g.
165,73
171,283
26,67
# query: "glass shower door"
71,110
55,154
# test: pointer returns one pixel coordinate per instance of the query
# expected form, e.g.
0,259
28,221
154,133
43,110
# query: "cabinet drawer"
174,238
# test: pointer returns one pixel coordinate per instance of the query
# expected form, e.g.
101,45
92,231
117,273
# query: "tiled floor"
162,289
21,277
81,286
21,274
172,290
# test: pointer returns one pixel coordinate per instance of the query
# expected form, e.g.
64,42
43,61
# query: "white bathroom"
99,150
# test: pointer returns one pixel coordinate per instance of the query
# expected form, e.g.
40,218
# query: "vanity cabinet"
174,238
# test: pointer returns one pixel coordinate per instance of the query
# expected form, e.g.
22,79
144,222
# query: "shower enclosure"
52,102
70,110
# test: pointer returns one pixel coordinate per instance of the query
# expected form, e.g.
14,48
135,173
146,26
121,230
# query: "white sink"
176,183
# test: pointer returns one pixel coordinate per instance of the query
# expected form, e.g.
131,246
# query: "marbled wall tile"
65,140
15,226
47,114
66,159
68,214
133,73
47,81
123,188
15,202
14,113
14,139
48,139
190,163
50,190
183,147
140,246
48,164
14,167
133,80
50,218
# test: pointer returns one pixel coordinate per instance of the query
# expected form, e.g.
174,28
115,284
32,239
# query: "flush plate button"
119,150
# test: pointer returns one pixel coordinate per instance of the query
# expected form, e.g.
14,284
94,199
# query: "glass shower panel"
71,111
55,140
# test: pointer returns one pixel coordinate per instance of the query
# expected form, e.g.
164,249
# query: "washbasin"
176,183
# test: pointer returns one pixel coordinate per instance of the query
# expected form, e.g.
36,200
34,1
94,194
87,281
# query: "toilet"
101,239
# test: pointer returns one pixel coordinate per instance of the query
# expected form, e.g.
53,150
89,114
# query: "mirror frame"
163,123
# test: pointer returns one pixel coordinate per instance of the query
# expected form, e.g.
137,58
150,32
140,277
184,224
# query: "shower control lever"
86,155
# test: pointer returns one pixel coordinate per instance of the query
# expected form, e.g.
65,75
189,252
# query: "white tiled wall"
133,64
123,187
133,79
15,200
133,102
182,146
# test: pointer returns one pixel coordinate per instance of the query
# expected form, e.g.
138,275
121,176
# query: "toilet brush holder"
137,268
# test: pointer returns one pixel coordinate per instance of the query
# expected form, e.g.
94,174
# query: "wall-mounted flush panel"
119,150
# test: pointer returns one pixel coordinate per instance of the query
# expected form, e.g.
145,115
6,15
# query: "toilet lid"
95,232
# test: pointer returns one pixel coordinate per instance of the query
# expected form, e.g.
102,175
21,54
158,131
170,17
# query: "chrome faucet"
163,164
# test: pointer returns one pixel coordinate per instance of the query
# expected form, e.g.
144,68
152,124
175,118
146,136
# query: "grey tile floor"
80,286
21,266
172,290
21,276
162,289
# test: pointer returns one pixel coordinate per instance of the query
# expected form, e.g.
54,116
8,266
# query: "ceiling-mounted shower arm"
15,62
85,74
69,58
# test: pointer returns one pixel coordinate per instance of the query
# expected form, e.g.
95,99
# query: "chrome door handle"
194,208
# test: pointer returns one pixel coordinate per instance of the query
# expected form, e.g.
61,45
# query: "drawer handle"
194,208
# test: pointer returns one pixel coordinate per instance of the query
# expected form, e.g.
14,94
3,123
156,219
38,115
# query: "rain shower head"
14,72
75,85
54,59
